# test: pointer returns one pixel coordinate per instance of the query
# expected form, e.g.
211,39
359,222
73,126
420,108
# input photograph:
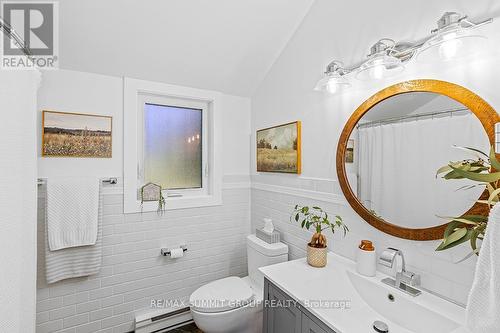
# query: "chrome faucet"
405,280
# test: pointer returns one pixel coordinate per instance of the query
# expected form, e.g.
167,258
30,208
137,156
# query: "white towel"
72,209
74,261
483,305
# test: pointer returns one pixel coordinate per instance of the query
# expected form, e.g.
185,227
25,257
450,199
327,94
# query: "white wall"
133,272
18,200
71,91
68,91
286,94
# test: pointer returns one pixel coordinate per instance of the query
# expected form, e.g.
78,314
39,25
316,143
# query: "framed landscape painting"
278,149
76,135
349,152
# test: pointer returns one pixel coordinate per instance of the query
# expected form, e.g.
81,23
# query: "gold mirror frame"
483,111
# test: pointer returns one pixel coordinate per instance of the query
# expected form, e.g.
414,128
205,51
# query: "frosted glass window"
173,146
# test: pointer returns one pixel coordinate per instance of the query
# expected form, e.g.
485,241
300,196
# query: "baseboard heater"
162,322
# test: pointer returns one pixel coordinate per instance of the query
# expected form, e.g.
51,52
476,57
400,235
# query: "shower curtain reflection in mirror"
397,164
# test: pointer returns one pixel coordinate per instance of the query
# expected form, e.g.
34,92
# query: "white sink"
367,299
399,308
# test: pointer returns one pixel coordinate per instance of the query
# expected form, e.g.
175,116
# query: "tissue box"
270,238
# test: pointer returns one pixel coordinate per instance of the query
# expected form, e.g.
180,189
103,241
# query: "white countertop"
306,284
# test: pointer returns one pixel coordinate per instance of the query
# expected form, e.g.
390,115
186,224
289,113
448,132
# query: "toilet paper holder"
166,252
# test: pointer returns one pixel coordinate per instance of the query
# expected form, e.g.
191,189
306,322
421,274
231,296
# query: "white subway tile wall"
276,196
133,273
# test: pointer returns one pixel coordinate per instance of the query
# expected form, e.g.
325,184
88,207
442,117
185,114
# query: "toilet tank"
260,254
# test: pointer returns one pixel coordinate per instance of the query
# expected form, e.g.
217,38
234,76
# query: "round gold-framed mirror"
369,192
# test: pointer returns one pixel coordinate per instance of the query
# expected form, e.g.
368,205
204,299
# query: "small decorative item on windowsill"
318,219
153,192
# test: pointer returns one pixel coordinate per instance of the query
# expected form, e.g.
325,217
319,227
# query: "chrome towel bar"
110,181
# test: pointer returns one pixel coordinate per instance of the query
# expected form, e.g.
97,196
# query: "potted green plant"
483,169
316,218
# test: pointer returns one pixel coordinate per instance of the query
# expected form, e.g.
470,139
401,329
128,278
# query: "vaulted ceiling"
225,45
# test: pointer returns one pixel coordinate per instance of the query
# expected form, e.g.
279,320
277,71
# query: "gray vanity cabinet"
283,315
310,326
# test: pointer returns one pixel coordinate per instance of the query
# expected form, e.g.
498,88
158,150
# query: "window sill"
173,203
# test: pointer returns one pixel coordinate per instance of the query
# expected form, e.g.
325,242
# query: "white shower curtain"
398,164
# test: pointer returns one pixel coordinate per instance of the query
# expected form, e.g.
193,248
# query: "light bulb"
378,72
449,48
331,87
189,140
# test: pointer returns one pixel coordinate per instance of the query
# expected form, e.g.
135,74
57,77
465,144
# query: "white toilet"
234,304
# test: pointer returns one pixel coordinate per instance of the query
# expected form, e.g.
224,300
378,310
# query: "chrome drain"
380,327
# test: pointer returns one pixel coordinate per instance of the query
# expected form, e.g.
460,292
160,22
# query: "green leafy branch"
471,228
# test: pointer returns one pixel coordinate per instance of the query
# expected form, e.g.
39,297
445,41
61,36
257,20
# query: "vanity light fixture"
454,35
334,79
381,62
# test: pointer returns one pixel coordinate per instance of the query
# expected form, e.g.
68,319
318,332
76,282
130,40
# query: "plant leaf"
493,197
452,175
483,202
458,165
476,233
442,169
493,159
469,149
450,228
473,239
490,188
475,218
458,237
459,219
480,177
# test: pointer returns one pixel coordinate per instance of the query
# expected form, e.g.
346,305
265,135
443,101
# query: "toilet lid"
221,295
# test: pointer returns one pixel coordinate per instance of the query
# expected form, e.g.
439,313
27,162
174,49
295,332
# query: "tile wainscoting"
275,196
133,273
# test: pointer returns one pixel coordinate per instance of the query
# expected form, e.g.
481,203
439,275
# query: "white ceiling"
224,45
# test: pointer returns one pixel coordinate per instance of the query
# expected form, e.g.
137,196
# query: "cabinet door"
309,326
281,315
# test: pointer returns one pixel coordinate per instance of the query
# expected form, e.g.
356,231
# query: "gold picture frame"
278,148
67,134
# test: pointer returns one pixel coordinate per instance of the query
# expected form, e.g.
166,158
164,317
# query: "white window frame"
135,93
181,103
